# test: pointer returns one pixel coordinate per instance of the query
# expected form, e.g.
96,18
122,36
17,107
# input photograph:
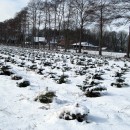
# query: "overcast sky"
8,8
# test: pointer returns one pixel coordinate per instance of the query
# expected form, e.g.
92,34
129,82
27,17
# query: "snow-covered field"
19,109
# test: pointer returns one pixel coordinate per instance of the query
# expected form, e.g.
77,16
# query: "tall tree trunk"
67,30
39,24
101,32
128,46
49,37
55,27
80,40
28,42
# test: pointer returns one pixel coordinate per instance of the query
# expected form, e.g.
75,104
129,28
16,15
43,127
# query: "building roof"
39,39
53,41
84,44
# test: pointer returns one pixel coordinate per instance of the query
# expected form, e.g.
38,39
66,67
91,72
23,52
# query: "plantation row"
90,75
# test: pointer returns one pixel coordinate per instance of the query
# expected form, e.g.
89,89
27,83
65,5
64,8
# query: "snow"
105,53
73,109
19,111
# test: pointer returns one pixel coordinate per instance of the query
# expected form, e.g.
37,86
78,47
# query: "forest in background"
70,21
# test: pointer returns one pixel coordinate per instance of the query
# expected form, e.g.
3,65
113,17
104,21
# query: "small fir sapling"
79,62
95,91
119,83
66,68
72,61
47,64
22,64
91,87
125,68
106,62
6,70
80,72
23,84
74,112
33,67
46,97
62,79
118,74
15,77
97,76
40,71
8,59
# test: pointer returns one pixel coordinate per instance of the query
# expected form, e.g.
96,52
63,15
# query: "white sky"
8,8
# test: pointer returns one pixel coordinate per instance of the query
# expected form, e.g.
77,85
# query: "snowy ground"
19,111
112,54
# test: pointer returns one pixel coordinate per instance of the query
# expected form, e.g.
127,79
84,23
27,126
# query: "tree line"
71,20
